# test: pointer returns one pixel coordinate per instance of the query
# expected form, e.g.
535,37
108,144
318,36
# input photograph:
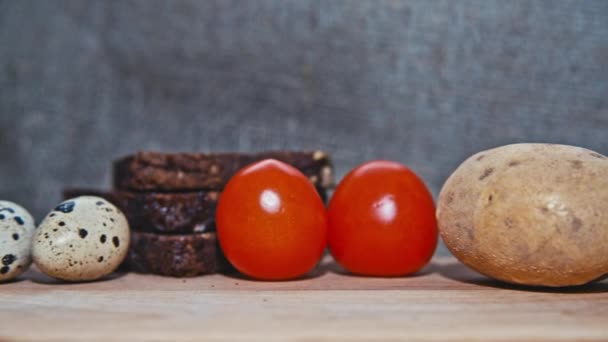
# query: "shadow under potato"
459,272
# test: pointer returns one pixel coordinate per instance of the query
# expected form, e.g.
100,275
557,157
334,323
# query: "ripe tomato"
382,221
271,222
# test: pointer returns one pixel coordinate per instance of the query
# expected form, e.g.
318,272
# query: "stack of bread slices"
169,200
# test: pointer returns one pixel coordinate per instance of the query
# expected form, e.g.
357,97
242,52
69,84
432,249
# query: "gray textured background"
426,83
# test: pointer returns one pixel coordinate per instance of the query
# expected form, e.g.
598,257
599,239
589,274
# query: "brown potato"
532,214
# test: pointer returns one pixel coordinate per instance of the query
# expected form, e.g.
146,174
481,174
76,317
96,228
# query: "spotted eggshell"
16,231
84,238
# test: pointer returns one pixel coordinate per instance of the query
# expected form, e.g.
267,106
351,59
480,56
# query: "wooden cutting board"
445,301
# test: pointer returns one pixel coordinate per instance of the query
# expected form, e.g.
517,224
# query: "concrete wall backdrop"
426,83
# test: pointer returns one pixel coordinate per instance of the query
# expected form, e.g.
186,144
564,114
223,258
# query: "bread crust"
157,171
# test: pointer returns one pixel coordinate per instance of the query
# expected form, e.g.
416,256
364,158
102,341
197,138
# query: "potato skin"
531,214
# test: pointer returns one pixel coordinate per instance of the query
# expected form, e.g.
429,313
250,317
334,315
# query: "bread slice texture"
174,172
185,255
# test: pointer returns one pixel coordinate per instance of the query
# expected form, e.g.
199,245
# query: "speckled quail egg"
82,239
16,231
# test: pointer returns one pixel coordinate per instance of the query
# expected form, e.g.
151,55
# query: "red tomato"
382,221
271,222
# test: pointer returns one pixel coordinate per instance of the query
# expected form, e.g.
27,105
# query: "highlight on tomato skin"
382,221
271,222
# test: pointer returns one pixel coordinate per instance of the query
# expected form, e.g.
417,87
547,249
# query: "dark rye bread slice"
175,255
168,213
157,171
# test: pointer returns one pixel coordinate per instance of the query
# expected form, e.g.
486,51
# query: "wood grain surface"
445,301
